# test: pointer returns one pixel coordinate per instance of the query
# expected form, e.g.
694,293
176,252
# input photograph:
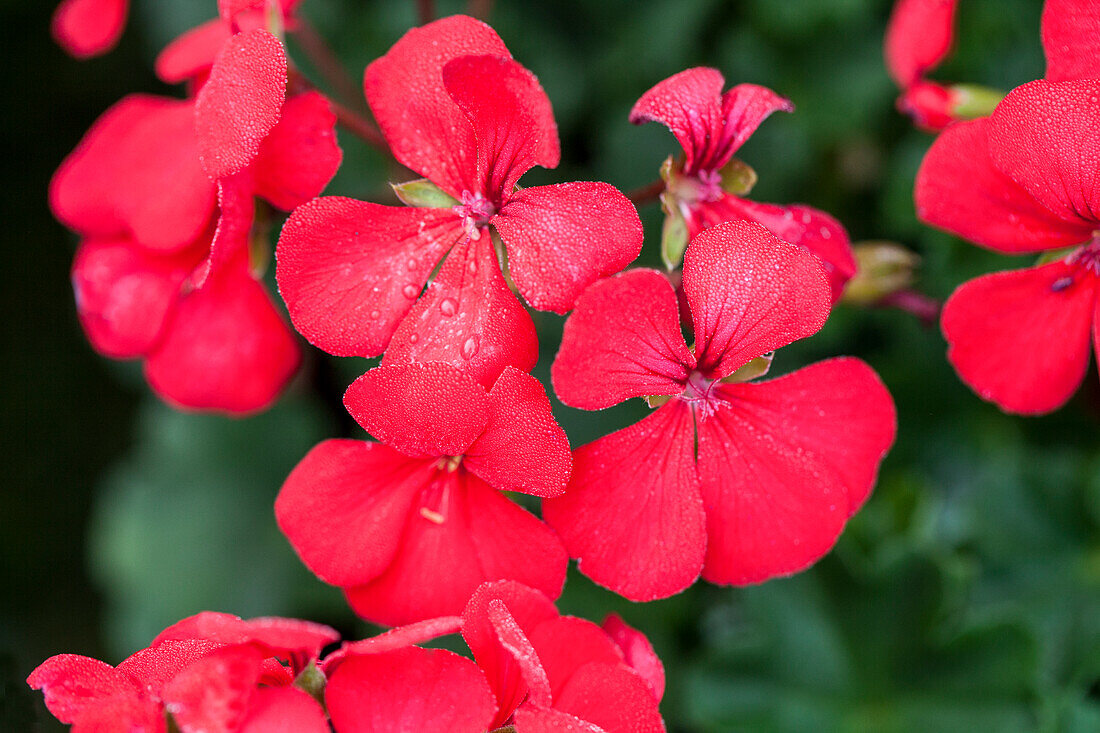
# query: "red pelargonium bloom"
740,481
152,231
1023,181
711,126
210,673
456,108
409,527
87,28
920,34
533,669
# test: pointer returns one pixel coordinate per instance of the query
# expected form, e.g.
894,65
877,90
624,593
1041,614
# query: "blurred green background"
964,597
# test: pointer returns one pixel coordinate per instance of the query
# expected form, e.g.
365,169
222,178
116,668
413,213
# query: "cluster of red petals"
738,481
1023,181
456,108
411,526
161,192
710,126
212,673
532,669
87,28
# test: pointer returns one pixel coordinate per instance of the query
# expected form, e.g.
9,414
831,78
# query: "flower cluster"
730,478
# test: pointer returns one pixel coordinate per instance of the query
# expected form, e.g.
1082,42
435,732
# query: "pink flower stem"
327,64
646,194
925,308
480,9
425,11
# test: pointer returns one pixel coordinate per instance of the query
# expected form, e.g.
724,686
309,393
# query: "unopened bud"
884,268
738,177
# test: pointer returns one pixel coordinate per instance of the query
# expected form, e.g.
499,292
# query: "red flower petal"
72,684
397,638
529,608
284,710
567,643
236,214
124,296
137,172
88,28
785,462
349,271
535,720
710,126
513,123
610,696
300,156
930,105
511,637
230,9
523,448
409,689
623,340
426,130
805,226
1071,39
918,37
279,635
122,714
469,318
959,189
1021,338
428,409
750,293
344,508
240,103
638,653
214,693
482,536
155,666
192,54
632,514
564,237
1046,137
227,348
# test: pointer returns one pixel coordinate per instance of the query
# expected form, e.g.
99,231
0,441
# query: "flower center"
475,211
700,394
1087,257
436,498
701,187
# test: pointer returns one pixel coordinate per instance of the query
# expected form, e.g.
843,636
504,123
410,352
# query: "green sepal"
738,177
422,193
973,100
1054,255
668,169
312,681
656,400
756,368
674,237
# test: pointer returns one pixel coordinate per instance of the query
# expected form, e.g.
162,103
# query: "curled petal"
959,189
344,508
137,173
300,156
73,684
1046,137
214,692
638,653
468,318
241,102
192,54
398,638
632,514
426,130
226,349
87,28
409,689
513,123
1020,339
1071,39
522,448
236,214
623,340
124,295
562,238
567,643
430,409
280,636
349,271
750,293
918,37
511,637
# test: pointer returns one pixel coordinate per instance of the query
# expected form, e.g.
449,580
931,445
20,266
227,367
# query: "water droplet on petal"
375,315
469,349
410,291
411,264
448,307
413,338
472,267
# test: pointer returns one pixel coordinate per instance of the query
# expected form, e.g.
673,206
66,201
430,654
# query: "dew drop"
448,307
472,267
413,338
469,349
410,291
375,315
411,264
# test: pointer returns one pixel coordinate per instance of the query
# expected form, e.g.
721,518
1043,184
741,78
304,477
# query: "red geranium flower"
533,669
87,28
739,481
710,127
409,527
456,108
920,34
1023,180
211,673
152,230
